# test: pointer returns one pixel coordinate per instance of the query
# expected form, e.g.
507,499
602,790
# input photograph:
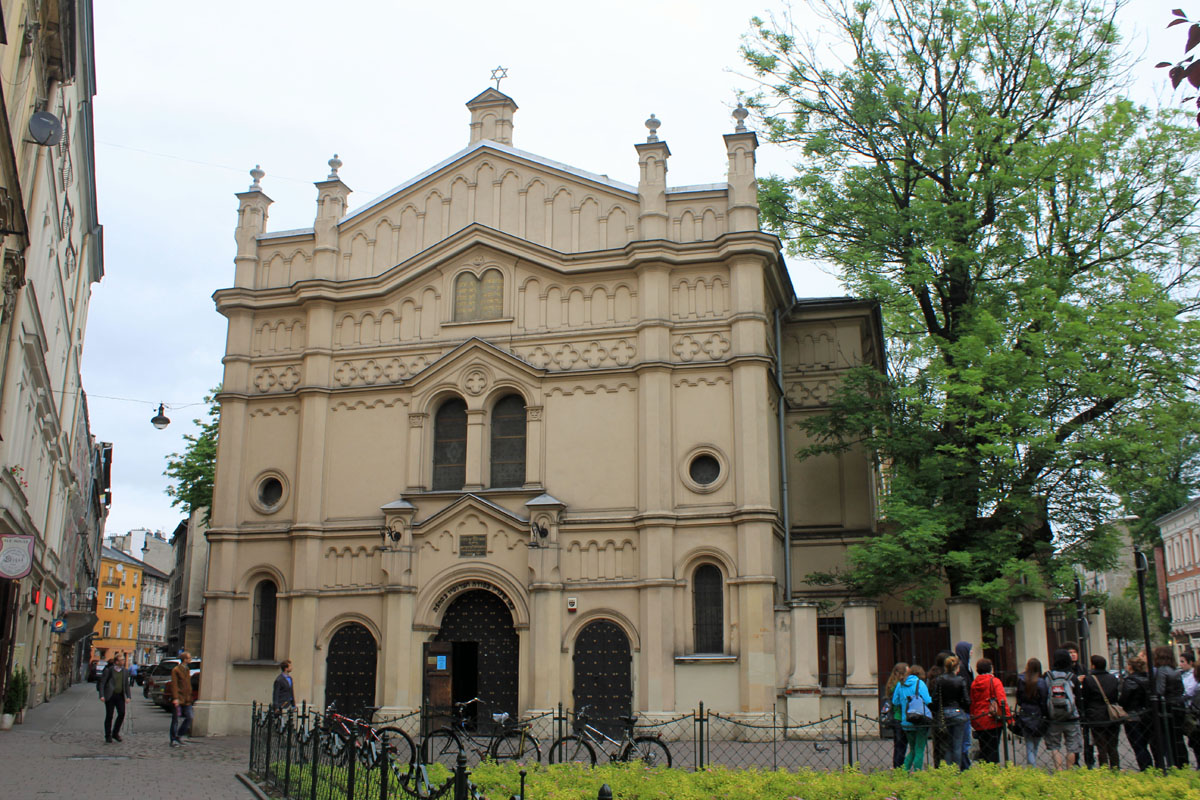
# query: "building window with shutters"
262,643
708,609
478,298
508,442
450,445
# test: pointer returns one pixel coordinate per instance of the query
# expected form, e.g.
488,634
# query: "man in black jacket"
1099,692
283,696
115,687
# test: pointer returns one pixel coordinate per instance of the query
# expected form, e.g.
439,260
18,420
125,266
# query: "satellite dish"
45,128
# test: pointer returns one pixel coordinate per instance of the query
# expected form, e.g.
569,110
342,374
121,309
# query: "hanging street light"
160,420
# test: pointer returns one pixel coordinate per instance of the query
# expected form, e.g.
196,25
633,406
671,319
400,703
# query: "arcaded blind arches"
508,442
707,595
478,298
450,445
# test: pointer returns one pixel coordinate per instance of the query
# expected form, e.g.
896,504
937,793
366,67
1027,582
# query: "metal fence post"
253,734
315,761
774,736
267,759
701,744
287,761
460,776
352,763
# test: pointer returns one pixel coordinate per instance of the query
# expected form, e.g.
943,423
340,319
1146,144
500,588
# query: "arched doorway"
603,674
350,670
484,648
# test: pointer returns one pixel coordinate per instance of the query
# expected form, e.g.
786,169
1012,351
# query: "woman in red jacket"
989,710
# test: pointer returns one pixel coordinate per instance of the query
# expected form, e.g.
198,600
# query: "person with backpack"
1064,737
989,711
916,730
891,715
1135,699
1032,695
1168,684
951,703
1099,694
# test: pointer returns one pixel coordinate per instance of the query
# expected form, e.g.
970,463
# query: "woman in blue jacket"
917,735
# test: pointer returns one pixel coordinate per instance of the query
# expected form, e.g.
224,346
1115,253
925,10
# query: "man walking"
181,699
283,696
114,687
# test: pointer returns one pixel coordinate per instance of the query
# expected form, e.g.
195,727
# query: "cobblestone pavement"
59,751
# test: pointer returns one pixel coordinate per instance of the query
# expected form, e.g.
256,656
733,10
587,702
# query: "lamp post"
1142,566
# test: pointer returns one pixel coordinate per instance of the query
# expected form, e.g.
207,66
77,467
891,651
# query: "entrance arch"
484,656
350,670
603,674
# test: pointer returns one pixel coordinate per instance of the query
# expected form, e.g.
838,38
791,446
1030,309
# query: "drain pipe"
783,460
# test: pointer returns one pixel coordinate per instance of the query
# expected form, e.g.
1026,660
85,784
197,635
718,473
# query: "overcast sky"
191,98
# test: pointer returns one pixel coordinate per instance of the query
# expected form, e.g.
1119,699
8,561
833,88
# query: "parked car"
156,679
159,695
96,669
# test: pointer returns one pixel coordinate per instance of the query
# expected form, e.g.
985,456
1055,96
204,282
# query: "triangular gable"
489,96
475,350
471,502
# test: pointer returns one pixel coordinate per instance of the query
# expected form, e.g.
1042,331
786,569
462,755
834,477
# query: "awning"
79,625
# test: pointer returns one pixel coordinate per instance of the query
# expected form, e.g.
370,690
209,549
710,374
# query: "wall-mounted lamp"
160,420
387,532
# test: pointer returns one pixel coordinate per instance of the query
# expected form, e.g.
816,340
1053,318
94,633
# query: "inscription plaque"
472,546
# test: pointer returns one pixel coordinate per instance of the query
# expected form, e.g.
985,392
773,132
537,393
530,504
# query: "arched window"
450,445
508,442
708,609
262,639
478,298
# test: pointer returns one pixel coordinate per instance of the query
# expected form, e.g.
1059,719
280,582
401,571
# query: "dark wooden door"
350,670
603,674
480,626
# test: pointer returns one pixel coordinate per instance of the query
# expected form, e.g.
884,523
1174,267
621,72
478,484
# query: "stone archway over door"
603,674
350,670
485,656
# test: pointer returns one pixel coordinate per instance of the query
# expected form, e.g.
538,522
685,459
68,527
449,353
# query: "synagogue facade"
523,432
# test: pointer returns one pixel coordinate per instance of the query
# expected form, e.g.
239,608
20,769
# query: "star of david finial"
499,74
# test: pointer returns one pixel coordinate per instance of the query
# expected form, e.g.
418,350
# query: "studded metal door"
481,618
603,674
350,670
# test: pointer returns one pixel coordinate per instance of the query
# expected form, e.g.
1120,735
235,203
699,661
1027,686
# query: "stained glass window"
450,445
709,609
508,442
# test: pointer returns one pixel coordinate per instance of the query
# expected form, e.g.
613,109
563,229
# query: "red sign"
49,603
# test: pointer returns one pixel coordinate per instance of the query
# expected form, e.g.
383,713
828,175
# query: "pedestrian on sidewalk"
115,687
283,696
181,699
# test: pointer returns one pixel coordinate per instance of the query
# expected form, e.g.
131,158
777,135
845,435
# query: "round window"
270,492
704,469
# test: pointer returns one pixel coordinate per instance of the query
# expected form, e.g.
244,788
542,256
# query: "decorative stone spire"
252,222
743,186
652,183
332,199
492,116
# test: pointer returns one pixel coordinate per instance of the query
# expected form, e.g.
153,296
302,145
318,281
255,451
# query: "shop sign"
16,555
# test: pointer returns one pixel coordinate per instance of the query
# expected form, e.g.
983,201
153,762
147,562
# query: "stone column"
743,188
966,624
332,197
652,184
476,419
534,457
804,686
862,655
252,220
1031,633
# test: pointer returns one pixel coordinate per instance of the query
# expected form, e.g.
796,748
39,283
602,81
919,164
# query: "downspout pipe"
783,460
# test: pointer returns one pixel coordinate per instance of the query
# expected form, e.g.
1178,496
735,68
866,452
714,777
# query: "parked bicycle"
580,747
508,741
372,744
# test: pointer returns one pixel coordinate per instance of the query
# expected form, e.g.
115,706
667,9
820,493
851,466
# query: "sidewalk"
59,751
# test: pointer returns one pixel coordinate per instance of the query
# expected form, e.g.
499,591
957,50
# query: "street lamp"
160,420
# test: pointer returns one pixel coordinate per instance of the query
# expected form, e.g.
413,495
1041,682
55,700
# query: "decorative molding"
599,387
702,380
380,402
476,381
591,354
700,347
274,411
811,393
377,371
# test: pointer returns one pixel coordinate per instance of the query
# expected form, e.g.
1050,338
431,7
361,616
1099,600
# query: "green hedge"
981,782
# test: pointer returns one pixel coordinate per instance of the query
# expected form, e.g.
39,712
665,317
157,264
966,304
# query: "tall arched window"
478,298
262,640
450,445
708,606
508,442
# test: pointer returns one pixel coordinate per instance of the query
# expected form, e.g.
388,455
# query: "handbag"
994,705
1115,712
918,711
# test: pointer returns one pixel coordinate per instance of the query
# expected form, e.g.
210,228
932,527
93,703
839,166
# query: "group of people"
115,686
1052,708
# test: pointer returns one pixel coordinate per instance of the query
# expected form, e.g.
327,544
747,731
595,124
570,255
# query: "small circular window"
269,492
705,469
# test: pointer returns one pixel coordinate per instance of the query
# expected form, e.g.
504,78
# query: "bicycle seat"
502,717
629,720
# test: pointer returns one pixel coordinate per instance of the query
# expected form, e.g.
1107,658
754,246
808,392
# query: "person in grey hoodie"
963,651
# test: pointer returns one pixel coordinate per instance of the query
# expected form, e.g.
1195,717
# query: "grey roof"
113,554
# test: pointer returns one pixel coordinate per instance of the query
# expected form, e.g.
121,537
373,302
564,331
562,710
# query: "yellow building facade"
118,604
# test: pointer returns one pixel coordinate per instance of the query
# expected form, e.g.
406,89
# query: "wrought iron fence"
302,755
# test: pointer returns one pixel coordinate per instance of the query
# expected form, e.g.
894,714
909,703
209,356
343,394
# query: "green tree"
1031,238
192,472
1124,618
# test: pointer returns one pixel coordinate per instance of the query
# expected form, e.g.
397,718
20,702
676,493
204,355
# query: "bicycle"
580,747
508,741
373,744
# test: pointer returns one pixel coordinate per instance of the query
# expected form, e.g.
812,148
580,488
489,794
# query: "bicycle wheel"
399,745
520,746
649,750
441,747
571,750
336,747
